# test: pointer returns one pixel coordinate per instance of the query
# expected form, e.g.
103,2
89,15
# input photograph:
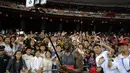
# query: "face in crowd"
86,43
42,48
97,49
28,51
18,55
58,48
80,46
75,43
7,40
124,48
32,43
21,37
48,54
66,46
37,53
12,39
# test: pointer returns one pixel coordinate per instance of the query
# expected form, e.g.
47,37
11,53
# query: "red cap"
123,42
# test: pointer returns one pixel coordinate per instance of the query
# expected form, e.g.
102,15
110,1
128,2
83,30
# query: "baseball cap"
122,43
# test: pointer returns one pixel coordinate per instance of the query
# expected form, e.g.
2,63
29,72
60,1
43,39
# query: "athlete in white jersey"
102,58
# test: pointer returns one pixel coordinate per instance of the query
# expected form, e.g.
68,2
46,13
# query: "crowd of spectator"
34,53
64,52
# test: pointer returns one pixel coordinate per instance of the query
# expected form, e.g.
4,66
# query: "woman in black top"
16,64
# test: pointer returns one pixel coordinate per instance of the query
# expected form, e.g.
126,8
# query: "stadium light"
20,15
31,17
6,15
60,19
81,22
120,23
42,18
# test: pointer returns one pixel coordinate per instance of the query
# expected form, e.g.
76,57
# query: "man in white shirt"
36,63
102,57
28,58
122,64
119,55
